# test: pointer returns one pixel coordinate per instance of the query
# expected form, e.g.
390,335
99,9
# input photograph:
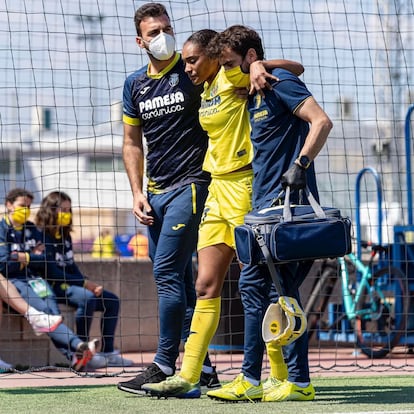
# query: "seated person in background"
138,245
40,322
104,246
54,224
20,256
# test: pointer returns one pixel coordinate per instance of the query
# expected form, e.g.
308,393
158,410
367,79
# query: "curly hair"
239,39
46,217
202,37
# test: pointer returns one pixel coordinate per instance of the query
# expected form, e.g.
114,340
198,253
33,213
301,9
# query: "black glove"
294,177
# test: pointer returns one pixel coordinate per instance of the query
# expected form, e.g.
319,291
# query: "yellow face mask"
64,219
237,77
20,215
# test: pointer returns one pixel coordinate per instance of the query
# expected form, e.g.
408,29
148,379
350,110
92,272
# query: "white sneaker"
42,322
109,359
5,366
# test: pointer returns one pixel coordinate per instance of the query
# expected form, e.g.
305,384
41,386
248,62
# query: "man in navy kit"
284,147
161,103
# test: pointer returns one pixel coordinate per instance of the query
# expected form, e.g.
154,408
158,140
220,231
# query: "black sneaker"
209,380
152,374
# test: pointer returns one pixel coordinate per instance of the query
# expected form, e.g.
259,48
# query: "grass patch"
381,394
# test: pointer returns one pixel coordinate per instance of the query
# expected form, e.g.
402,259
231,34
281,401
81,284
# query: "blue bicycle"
374,297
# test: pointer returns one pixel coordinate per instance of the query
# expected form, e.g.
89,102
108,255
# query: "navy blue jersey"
166,106
18,240
60,263
277,136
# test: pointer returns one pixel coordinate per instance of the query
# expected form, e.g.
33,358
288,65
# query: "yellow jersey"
225,118
104,247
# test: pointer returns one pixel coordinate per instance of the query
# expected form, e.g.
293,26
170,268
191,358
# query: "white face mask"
162,46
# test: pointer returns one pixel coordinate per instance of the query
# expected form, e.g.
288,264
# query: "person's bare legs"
41,322
213,264
10,295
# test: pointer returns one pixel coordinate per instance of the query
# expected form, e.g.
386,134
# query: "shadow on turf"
49,390
365,394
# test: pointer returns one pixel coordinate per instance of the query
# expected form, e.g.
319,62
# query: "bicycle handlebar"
376,248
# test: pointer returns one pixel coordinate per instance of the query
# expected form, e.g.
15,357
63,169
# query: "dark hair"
46,217
14,194
239,39
148,10
202,37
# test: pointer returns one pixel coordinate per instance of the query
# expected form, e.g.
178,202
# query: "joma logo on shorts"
178,226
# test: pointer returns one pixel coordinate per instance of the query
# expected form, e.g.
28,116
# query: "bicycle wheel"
319,296
381,312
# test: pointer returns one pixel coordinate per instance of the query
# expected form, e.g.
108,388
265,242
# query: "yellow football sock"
203,326
278,367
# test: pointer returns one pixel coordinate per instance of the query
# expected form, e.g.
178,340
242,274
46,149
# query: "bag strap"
315,205
274,273
287,213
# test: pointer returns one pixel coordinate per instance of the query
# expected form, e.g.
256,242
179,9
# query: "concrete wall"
137,329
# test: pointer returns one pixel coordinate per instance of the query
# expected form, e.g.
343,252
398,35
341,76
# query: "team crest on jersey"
213,91
173,80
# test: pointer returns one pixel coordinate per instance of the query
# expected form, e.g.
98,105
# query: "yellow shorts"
228,201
